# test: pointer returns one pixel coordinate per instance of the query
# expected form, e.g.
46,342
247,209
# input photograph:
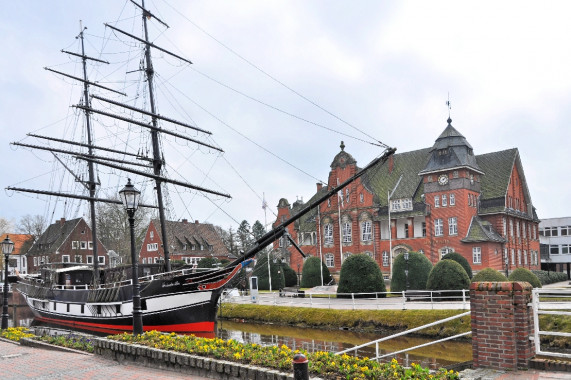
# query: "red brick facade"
479,207
502,324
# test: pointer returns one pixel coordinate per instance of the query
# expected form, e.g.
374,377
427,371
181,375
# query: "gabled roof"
480,231
22,242
201,233
54,236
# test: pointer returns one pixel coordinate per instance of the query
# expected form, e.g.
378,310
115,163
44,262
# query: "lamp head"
130,197
7,246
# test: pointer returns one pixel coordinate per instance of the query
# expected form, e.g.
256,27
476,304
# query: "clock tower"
452,188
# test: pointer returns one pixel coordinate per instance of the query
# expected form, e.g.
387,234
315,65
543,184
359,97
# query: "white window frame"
437,201
65,259
89,259
90,245
385,259
78,259
101,259
476,255
83,244
438,227
328,233
329,260
452,200
444,200
75,244
366,231
453,226
347,232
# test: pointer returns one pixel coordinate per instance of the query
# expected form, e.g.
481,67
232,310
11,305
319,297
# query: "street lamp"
7,247
406,270
130,198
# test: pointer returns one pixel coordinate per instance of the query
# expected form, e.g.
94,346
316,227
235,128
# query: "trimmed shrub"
550,277
290,276
489,275
311,273
460,260
261,270
419,266
523,274
447,275
360,274
207,262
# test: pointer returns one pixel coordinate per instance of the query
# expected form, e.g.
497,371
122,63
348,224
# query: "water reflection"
311,339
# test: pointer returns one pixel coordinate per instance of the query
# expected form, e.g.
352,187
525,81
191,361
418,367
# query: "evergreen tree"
311,274
360,274
418,269
244,235
208,262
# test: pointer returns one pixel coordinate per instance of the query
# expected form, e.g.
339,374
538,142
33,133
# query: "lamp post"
130,198
7,247
406,270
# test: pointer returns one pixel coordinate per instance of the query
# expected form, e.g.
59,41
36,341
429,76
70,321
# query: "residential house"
189,242
65,241
17,259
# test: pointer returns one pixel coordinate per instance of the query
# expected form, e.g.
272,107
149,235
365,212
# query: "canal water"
312,339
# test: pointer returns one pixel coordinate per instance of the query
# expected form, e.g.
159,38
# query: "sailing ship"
102,300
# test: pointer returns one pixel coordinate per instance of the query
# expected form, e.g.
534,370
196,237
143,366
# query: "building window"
74,244
517,229
329,202
328,233
452,199
565,230
423,229
89,245
437,201
405,226
513,257
444,200
395,205
385,259
153,247
438,229
83,245
329,260
511,228
519,257
89,259
64,258
553,249
346,255
444,251
524,257
566,248
454,175
101,259
144,260
366,232
453,226
78,258
550,231
477,255
361,197
347,232
429,179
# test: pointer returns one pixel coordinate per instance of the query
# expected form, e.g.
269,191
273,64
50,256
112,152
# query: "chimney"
391,164
319,186
185,221
62,221
196,221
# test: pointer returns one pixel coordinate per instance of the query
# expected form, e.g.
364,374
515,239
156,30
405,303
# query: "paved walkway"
21,362
488,374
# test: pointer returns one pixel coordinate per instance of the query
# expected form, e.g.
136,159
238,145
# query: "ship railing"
379,355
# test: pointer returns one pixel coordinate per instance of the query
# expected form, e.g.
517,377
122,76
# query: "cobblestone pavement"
21,362
532,374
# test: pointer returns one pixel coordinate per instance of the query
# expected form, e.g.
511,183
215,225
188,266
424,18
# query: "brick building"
65,241
189,242
17,260
434,201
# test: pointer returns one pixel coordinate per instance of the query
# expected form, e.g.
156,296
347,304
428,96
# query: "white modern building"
555,244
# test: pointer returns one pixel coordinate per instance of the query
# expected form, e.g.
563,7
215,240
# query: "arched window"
366,231
347,231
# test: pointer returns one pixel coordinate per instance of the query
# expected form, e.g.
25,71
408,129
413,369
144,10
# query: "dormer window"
403,204
443,152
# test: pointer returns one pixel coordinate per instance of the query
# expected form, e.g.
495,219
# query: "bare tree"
113,228
6,226
33,225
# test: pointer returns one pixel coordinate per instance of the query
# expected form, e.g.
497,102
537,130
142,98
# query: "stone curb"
126,353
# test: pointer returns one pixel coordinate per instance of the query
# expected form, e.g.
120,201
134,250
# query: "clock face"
443,179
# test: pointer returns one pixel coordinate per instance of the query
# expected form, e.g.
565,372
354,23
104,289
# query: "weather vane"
449,105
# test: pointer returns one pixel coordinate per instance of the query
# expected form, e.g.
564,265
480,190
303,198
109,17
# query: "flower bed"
323,364
16,333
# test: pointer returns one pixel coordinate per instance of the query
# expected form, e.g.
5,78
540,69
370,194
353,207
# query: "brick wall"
502,324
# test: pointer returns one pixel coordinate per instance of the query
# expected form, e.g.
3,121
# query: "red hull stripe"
215,285
106,328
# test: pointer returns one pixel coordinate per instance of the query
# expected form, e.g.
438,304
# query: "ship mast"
91,183
157,159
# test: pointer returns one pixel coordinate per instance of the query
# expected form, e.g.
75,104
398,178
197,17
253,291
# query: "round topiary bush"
418,269
460,260
261,270
208,262
447,275
311,273
290,276
489,275
522,274
360,274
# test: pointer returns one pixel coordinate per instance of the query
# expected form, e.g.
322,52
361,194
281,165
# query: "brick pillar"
502,324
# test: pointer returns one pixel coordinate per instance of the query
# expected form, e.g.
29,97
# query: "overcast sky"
377,70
